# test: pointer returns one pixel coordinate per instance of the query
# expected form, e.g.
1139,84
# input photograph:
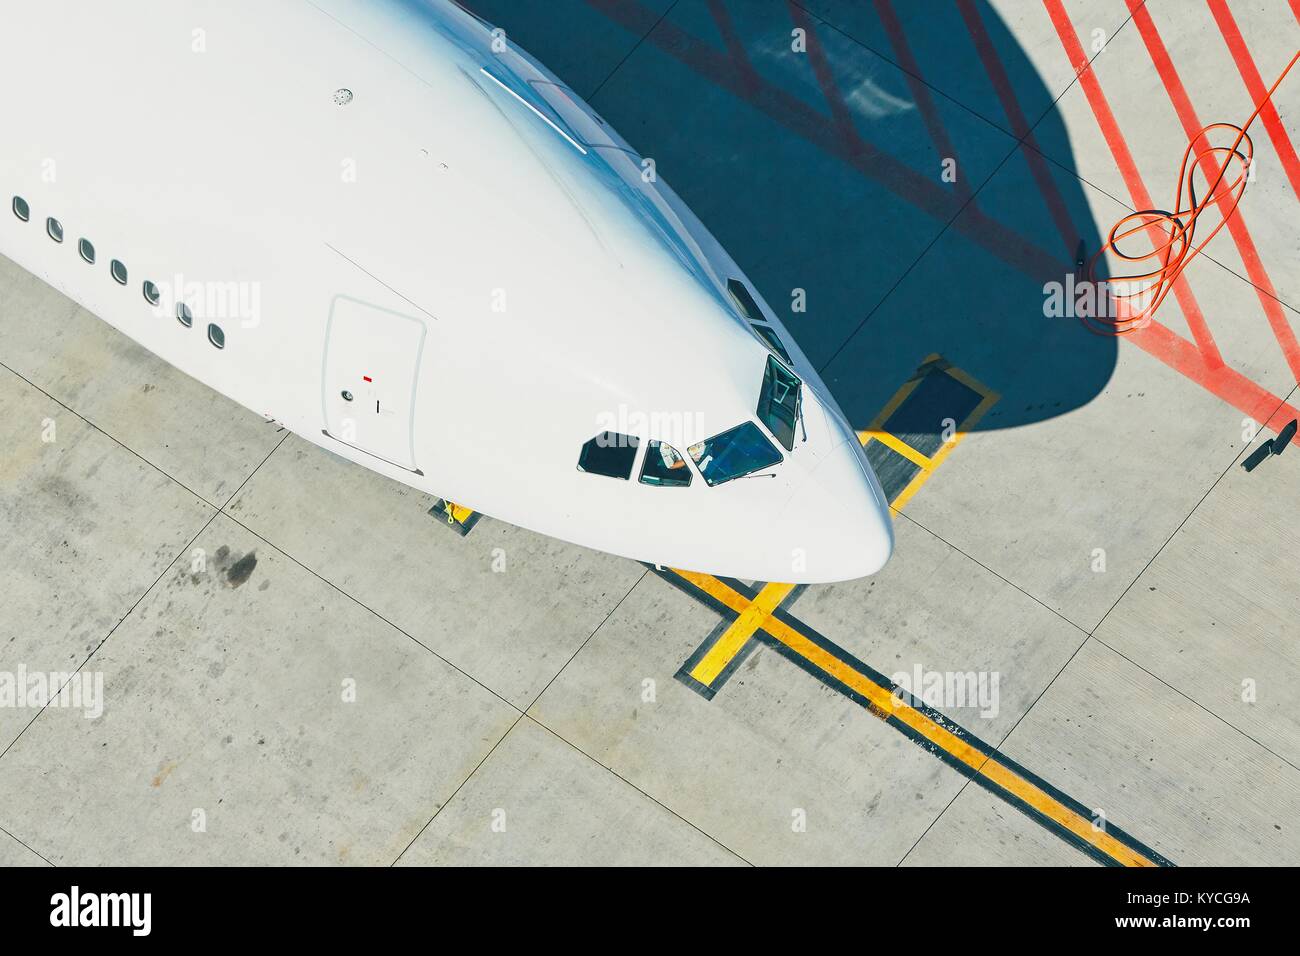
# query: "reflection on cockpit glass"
664,466
740,451
778,402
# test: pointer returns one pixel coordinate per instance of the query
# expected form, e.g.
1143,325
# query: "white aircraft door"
372,369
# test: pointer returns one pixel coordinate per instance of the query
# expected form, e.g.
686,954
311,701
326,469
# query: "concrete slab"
1215,615
506,606
13,853
227,702
86,528
203,440
935,610
1193,788
1076,455
979,829
537,801
775,751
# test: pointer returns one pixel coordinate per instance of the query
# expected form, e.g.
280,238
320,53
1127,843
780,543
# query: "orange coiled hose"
1120,307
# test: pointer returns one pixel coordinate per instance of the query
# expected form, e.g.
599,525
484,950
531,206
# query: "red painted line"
1277,319
920,92
1295,9
735,48
1128,169
1019,125
1256,88
840,113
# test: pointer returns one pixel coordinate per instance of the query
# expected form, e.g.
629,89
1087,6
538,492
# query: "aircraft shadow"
900,211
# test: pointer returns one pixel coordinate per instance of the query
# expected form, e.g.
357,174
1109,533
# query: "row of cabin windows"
117,269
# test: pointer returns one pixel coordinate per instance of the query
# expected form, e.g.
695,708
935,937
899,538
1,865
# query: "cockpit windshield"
778,402
733,454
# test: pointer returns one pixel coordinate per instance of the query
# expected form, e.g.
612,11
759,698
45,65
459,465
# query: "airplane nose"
841,516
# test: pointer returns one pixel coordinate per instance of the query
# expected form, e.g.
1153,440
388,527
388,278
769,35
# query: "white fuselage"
422,253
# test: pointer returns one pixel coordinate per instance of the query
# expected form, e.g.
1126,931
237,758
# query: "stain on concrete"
164,772
241,570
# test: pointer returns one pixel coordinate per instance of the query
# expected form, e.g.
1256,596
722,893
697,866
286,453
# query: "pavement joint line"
109,435
25,846
636,46
655,800
460,786
1193,701
524,714
1200,501
366,607
578,649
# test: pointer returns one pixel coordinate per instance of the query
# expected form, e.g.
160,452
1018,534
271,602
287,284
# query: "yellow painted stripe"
903,448
886,704
892,405
903,497
733,639
728,597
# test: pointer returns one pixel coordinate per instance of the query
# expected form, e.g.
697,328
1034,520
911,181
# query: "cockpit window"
611,454
771,340
740,451
748,307
778,402
744,300
665,466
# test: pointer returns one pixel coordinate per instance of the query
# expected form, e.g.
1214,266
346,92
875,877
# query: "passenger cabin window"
664,466
183,314
21,209
54,228
778,402
610,454
119,271
216,336
741,451
87,250
151,293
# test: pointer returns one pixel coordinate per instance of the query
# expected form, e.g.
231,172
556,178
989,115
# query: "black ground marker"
1258,455
1284,437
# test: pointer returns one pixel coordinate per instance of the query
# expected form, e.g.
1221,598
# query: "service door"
372,369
